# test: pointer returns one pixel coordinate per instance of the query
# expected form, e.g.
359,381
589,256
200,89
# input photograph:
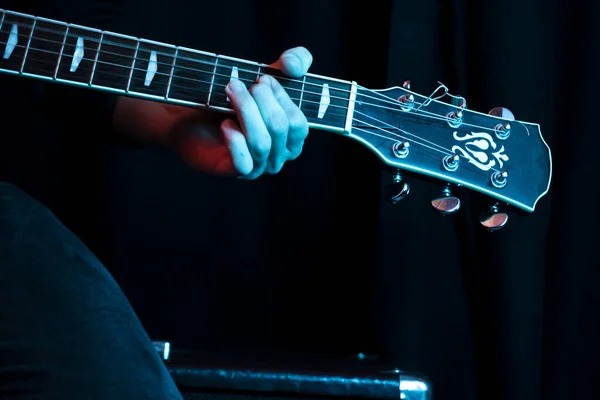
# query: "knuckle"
258,88
278,123
274,167
261,149
298,123
307,54
295,151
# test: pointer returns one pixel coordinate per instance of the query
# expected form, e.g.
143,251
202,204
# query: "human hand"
269,129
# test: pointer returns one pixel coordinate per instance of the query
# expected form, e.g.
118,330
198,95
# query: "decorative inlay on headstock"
455,145
480,149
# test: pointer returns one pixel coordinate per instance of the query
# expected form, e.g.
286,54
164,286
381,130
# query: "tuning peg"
397,190
502,112
406,85
494,218
446,204
459,101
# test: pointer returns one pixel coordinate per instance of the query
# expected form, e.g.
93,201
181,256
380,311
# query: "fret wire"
137,47
212,81
2,22
89,38
318,124
197,61
241,66
292,97
96,57
315,104
62,49
200,91
116,44
302,92
28,44
170,79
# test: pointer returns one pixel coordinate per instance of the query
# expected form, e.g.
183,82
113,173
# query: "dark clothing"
313,259
66,329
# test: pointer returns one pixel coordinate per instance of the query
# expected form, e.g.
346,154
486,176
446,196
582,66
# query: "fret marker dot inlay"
77,55
234,75
325,101
152,68
11,43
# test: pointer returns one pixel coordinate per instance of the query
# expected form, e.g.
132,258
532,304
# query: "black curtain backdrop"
313,259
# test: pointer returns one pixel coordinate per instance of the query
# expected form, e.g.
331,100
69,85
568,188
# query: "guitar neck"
51,50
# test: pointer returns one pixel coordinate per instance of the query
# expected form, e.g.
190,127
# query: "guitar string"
382,97
407,133
253,72
394,136
444,151
376,127
131,59
418,140
385,100
344,114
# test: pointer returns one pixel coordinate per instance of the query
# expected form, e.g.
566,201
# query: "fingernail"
265,79
294,63
236,86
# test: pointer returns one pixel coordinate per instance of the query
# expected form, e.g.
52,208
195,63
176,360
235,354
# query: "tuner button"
499,179
446,204
406,85
502,112
407,102
455,118
401,149
397,190
493,219
450,162
502,130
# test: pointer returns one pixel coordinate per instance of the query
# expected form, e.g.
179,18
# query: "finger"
276,121
294,62
502,112
251,122
240,159
297,122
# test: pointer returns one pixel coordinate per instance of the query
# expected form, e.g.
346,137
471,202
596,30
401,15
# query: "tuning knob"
502,112
494,218
397,190
446,204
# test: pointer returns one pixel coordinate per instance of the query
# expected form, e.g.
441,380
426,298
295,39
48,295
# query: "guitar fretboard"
78,55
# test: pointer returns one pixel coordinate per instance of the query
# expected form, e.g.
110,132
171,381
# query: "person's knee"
18,211
30,234
22,218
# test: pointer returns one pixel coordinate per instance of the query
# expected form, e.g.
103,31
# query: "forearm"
148,120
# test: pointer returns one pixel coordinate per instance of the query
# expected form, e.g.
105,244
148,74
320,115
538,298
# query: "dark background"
313,259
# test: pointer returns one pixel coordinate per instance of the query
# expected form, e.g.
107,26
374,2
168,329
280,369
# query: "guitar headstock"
503,159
